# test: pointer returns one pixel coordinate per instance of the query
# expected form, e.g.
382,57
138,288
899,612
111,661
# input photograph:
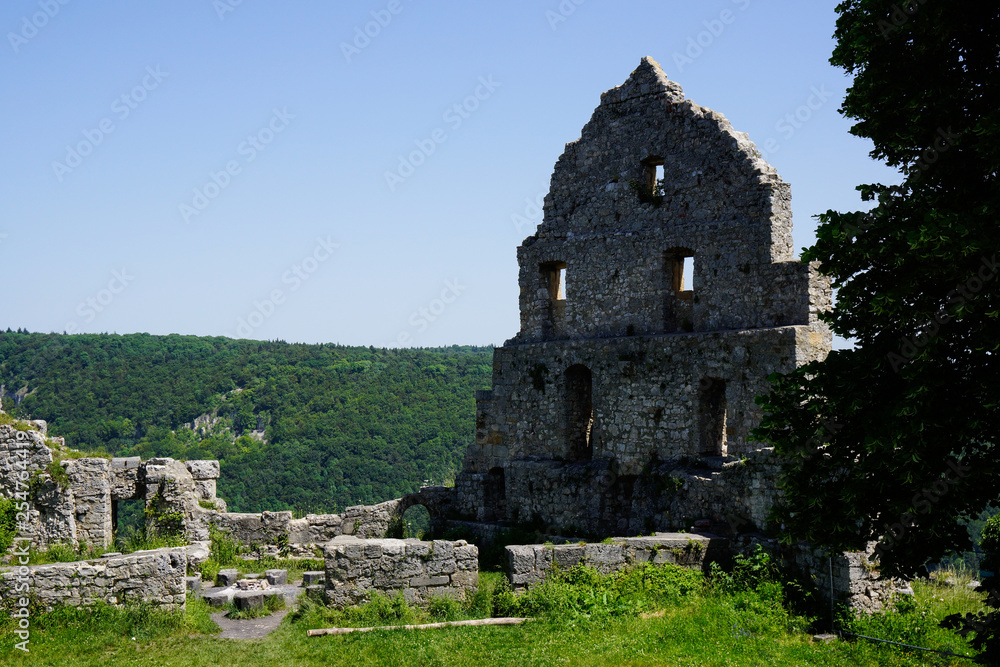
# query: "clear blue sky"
117,114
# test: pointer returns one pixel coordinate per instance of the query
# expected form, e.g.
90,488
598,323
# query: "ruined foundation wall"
313,529
530,564
155,576
856,580
645,399
420,570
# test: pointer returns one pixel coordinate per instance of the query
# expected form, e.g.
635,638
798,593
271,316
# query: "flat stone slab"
126,463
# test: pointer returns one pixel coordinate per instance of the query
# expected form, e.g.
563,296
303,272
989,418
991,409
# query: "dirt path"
257,628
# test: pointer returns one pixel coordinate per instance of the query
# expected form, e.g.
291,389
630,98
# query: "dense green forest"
302,427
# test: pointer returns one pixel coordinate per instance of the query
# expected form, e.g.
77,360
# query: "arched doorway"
416,522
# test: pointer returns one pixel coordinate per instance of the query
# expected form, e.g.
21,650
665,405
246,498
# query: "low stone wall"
155,576
530,564
420,570
313,529
360,521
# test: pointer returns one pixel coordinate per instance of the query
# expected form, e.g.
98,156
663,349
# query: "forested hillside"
304,427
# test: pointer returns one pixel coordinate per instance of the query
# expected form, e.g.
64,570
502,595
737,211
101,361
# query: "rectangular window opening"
712,417
687,274
555,276
681,268
653,172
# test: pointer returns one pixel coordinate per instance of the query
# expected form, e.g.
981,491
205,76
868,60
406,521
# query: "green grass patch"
8,522
228,552
640,618
916,619
18,424
142,538
130,540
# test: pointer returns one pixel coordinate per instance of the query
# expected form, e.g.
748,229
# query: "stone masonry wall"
722,206
625,373
313,529
179,496
645,401
856,581
152,576
420,570
530,564
78,512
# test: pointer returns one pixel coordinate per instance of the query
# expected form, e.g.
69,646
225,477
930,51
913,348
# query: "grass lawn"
582,620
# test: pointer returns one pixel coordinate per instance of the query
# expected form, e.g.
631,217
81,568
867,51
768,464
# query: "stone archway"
438,501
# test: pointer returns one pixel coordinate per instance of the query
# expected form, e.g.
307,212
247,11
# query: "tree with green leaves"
895,439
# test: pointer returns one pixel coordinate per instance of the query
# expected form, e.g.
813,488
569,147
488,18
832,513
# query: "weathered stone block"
313,578
205,489
126,463
417,548
520,559
245,600
275,577
203,470
227,577
465,579
441,567
388,565
219,598
566,556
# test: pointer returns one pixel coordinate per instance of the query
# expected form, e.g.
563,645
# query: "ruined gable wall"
663,375
721,202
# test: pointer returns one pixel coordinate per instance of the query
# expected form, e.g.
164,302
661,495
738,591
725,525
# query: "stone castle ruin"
656,297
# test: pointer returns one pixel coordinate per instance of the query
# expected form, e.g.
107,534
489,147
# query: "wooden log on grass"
426,626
